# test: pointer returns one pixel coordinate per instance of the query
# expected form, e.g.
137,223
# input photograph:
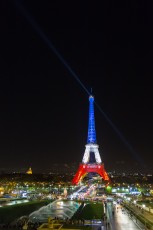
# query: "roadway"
141,212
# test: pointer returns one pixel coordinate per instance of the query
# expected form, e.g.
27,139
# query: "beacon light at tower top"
91,160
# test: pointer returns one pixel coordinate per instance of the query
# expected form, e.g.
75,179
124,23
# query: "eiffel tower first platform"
91,160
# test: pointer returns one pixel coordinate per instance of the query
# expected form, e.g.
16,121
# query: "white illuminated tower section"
91,160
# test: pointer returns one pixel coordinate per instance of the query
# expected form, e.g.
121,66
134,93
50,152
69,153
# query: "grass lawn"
90,211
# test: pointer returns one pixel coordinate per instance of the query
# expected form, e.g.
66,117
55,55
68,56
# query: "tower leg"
79,174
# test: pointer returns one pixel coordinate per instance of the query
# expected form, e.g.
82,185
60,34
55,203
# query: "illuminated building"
29,171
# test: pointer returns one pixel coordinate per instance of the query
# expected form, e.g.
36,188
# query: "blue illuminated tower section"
91,126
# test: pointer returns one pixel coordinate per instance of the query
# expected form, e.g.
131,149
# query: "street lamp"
50,188
143,205
59,188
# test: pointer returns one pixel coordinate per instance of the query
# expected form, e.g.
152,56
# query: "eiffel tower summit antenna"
91,161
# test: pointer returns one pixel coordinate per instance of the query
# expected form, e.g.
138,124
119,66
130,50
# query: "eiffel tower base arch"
87,168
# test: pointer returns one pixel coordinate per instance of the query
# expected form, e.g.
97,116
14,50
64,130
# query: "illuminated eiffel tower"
91,160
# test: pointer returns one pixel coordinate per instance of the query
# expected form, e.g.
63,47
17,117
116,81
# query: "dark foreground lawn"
10,213
77,227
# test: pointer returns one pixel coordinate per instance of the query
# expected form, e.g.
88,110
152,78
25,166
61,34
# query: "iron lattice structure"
91,125
91,160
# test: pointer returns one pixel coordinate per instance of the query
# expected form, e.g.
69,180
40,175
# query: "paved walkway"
120,220
123,221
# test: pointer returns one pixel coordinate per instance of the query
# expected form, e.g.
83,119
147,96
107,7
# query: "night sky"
44,110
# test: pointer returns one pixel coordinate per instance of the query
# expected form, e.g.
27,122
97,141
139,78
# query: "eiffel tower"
91,161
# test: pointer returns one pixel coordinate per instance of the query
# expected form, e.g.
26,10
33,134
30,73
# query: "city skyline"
44,111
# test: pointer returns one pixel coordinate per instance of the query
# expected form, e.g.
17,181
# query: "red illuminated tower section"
91,160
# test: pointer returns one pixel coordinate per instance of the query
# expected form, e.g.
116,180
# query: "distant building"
29,171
